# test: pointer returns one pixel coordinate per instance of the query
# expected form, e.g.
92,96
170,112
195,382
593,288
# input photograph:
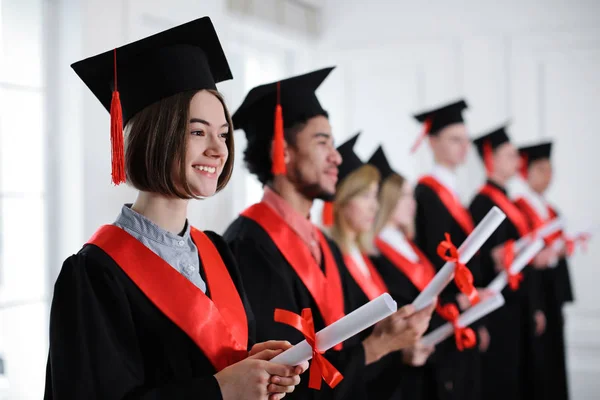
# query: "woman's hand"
255,378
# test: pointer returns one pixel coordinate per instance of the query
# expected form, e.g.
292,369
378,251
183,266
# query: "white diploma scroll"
551,227
520,261
341,330
473,314
467,250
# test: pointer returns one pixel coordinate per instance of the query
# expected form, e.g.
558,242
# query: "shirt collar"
134,221
495,185
397,239
302,225
446,177
537,201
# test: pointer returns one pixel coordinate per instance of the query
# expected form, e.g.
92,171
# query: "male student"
508,364
537,171
285,261
452,374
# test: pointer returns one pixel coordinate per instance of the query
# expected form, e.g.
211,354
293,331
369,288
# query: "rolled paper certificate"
517,266
341,330
467,250
473,314
551,227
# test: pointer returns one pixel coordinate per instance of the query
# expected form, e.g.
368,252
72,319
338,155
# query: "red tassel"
424,133
116,134
327,216
488,159
524,166
278,167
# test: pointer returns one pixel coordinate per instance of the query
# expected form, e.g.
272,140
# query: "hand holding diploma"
417,355
401,330
464,335
512,270
466,251
341,330
550,228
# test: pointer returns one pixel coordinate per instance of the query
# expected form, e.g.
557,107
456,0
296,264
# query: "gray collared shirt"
179,251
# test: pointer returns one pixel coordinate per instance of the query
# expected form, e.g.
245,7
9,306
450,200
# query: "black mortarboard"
256,115
441,117
536,152
350,161
379,161
132,77
437,119
186,57
492,139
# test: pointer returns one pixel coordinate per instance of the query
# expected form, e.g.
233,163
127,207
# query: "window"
22,207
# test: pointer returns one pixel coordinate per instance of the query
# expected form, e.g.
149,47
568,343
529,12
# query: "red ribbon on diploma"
514,280
320,368
465,337
462,276
570,243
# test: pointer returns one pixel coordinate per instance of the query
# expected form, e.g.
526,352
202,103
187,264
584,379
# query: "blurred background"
533,62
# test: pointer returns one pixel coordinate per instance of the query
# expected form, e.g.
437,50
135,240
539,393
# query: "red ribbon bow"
570,243
514,280
465,337
462,275
320,368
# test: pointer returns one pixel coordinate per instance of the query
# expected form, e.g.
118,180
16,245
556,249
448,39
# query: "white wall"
534,63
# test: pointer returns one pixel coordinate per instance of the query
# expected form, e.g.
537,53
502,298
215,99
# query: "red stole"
508,207
218,325
420,273
535,219
456,209
372,286
325,288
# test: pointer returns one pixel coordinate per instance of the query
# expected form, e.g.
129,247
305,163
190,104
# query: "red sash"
508,207
536,220
372,286
218,325
456,209
420,273
325,289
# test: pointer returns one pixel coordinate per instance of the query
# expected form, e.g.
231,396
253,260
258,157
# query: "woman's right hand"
400,330
255,378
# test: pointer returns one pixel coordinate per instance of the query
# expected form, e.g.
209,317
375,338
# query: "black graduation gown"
413,384
109,341
507,365
271,282
557,291
455,374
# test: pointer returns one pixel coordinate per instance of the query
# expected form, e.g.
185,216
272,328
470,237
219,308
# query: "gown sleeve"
94,353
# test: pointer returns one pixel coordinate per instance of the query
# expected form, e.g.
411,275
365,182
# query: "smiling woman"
174,318
196,140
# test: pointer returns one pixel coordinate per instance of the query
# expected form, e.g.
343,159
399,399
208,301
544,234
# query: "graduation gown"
271,282
454,374
507,365
115,338
405,280
557,291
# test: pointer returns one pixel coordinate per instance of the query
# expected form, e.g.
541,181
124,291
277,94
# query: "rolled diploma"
341,330
518,264
467,250
474,313
551,227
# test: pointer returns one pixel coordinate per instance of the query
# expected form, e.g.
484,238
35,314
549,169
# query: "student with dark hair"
285,261
151,307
